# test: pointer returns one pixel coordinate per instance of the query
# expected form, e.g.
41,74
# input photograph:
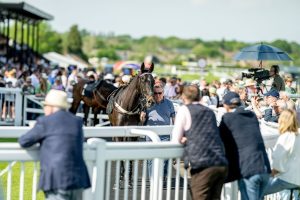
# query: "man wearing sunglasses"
161,113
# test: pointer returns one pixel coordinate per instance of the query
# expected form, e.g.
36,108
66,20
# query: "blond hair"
288,121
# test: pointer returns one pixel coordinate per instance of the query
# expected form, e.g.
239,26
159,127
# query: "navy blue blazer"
61,151
244,145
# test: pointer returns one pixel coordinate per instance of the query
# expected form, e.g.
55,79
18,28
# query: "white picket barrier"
110,154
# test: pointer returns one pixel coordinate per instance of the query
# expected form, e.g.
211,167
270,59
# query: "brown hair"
288,121
191,92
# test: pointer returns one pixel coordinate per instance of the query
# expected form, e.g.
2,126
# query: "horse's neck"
128,99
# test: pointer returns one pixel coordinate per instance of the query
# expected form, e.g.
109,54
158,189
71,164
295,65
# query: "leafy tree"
49,40
74,41
108,53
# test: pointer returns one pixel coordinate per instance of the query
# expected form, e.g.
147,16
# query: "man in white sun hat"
63,172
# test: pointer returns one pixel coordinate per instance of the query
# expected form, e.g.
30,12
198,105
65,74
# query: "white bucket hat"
56,98
109,77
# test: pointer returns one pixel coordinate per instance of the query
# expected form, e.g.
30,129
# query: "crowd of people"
218,149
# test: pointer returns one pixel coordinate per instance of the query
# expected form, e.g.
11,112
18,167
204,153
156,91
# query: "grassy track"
16,181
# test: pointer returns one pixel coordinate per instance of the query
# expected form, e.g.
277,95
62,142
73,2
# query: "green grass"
8,140
29,166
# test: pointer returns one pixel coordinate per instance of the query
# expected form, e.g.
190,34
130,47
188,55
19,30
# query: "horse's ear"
149,70
142,68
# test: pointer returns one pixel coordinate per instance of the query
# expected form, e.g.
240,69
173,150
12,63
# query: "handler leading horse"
126,104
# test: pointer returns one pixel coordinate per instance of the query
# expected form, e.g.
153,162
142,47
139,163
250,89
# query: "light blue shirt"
160,113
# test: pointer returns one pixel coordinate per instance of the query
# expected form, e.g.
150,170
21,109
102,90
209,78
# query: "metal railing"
11,106
104,160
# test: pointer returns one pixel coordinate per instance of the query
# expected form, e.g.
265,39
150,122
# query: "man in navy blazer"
245,150
63,171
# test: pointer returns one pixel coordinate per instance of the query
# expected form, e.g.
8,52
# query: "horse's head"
145,87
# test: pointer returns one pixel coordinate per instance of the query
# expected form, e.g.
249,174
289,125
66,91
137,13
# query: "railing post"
18,107
99,191
25,110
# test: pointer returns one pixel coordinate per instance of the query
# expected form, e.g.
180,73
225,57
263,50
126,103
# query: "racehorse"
97,98
126,104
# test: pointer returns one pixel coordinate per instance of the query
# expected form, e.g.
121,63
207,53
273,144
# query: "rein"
137,109
123,111
101,96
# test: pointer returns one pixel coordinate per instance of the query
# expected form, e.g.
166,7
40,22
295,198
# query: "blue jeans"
149,162
252,188
277,185
64,194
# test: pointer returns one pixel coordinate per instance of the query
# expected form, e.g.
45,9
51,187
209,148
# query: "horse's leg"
96,111
86,110
75,104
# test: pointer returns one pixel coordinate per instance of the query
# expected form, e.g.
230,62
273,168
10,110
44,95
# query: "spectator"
72,79
28,88
251,89
245,149
285,156
60,135
161,113
272,112
43,87
286,97
196,127
58,84
8,111
204,97
214,98
171,88
288,85
278,82
34,78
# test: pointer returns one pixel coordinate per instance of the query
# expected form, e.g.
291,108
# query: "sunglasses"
157,92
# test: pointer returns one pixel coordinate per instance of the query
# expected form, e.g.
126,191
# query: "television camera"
258,74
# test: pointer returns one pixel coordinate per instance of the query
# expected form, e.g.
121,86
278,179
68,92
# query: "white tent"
63,61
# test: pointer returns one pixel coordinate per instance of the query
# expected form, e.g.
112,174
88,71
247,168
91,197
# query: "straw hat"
212,90
249,82
56,98
126,78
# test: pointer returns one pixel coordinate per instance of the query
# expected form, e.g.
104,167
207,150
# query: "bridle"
141,103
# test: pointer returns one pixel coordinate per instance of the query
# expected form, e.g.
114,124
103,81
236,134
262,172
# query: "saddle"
88,88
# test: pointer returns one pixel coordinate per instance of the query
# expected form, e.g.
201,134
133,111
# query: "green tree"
50,40
108,53
74,41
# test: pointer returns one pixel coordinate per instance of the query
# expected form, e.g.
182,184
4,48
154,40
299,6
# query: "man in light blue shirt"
161,113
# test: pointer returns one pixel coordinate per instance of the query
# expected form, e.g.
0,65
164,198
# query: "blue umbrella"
262,52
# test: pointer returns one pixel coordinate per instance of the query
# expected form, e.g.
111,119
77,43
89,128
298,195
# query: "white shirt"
183,122
286,157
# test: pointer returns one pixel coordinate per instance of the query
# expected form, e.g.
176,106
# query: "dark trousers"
207,184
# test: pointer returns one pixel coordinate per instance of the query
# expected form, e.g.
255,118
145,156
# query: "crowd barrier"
20,109
104,161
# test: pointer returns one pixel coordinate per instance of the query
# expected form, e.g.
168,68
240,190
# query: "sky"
243,20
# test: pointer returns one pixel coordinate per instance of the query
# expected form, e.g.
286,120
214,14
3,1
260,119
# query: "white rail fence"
11,106
18,109
104,160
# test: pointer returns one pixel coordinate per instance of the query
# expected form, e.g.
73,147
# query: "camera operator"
278,82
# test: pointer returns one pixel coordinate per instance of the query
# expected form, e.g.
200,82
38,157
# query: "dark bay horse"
126,104
98,98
